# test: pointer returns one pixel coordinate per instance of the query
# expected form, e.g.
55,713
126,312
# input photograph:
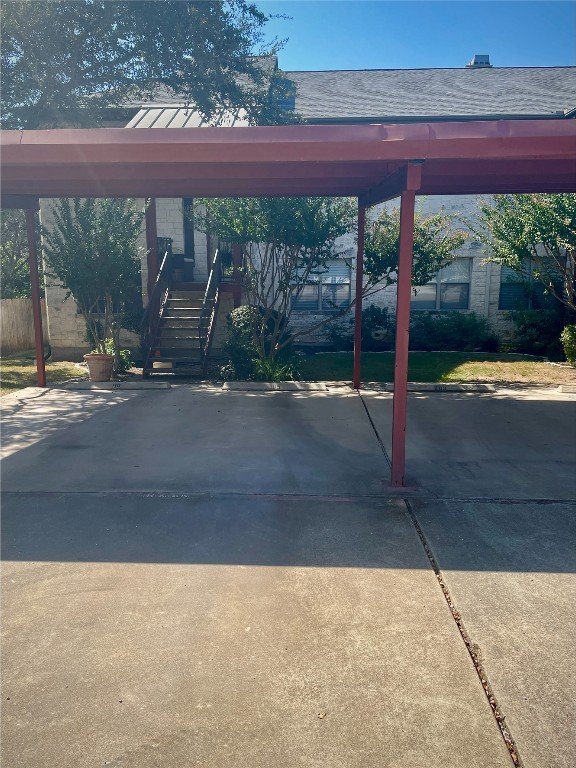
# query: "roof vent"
480,60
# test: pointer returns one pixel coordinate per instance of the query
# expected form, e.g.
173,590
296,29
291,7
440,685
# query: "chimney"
480,61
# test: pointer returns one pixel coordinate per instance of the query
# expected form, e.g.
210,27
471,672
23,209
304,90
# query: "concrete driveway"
199,577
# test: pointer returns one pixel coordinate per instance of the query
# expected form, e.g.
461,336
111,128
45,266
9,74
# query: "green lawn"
19,370
439,366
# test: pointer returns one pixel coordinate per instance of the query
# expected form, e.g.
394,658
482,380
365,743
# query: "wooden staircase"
178,343
181,322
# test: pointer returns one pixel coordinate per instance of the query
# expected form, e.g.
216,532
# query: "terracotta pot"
99,366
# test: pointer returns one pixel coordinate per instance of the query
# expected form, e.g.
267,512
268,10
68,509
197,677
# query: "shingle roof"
416,93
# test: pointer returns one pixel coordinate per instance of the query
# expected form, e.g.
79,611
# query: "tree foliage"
92,250
15,273
568,338
435,245
288,241
538,230
285,242
66,60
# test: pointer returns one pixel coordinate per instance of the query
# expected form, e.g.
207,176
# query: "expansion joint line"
472,648
371,420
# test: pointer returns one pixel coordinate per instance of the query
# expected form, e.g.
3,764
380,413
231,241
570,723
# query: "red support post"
403,296
236,274
358,296
36,301
151,244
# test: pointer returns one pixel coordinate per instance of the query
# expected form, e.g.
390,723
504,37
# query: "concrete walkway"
200,577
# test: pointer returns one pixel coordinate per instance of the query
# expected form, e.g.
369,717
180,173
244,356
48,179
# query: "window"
449,290
522,291
328,292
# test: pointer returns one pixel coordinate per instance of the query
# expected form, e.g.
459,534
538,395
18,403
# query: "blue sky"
366,34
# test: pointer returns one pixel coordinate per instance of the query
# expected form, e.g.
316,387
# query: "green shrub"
340,335
446,331
239,346
568,337
378,330
275,370
244,363
537,332
123,361
429,331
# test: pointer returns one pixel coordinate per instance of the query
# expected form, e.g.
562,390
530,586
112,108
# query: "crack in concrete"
168,494
380,441
472,647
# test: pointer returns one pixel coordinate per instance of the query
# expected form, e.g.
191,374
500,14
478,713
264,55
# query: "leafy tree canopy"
536,231
307,225
435,245
15,277
286,242
64,61
92,249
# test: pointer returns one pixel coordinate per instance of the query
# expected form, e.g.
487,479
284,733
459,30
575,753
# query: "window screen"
307,299
514,292
449,290
328,291
522,291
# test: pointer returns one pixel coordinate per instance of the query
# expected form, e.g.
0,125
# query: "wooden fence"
17,325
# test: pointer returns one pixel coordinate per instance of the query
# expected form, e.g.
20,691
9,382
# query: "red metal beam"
358,296
158,187
194,171
279,144
387,189
36,300
21,202
403,294
287,160
151,244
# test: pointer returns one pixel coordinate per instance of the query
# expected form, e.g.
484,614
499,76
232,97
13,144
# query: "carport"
373,163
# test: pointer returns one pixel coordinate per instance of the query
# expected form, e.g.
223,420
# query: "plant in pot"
91,247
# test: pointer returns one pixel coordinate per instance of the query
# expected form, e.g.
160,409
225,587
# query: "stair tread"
181,299
183,308
191,360
164,348
180,333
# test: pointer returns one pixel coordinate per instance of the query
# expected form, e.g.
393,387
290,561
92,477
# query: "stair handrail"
156,303
209,302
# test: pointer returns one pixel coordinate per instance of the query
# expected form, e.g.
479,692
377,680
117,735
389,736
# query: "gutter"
434,118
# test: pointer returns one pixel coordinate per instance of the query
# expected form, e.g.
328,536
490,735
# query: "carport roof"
368,161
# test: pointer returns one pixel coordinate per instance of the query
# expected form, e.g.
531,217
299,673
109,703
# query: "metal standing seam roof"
184,117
